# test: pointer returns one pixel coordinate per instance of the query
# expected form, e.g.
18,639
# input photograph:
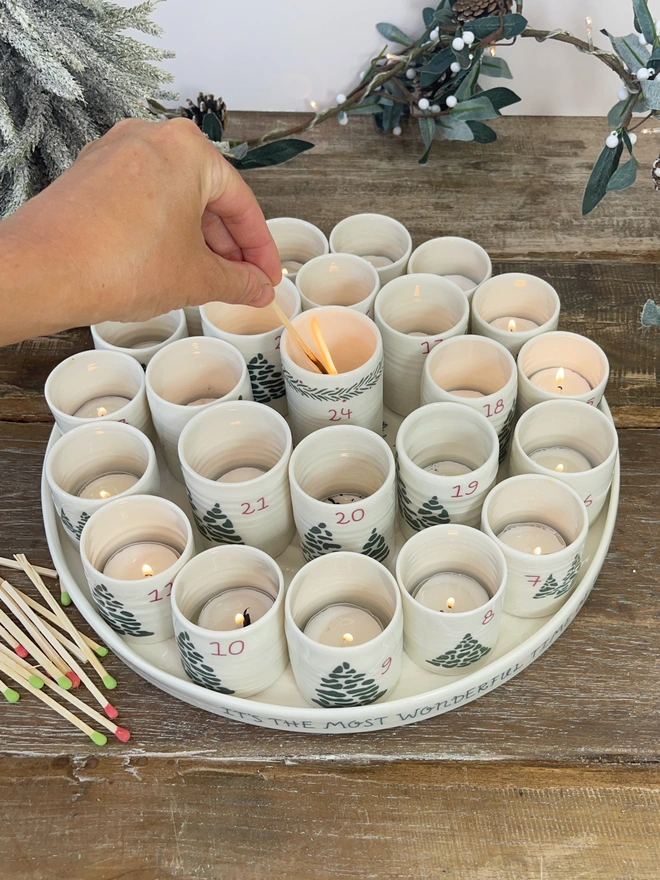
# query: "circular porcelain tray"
418,694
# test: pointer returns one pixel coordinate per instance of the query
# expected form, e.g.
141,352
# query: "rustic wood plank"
156,819
587,696
519,197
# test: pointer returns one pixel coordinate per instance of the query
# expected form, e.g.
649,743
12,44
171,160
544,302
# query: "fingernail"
266,296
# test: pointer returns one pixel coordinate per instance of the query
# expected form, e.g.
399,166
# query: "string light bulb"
590,33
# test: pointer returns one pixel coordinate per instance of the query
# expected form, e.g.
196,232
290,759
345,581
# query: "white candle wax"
451,592
532,537
235,608
377,261
463,281
448,468
147,343
241,475
560,380
513,324
343,498
343,626
141,560
290,267
199,401
101,406
107,485
418,333
562,459
467,392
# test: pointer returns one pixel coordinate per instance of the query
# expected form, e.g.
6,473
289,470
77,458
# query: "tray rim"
235,708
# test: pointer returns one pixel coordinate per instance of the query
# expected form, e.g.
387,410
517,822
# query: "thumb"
229,281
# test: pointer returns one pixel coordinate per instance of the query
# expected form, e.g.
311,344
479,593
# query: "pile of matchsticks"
47,637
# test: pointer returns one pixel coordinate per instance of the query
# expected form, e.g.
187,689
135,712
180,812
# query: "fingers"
229,281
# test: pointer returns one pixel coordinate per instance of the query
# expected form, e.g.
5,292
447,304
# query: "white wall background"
277,54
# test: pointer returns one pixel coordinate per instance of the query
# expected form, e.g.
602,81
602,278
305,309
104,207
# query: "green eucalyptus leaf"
617,114
427,128
434,69
500,97
630,51
455,129
392,33
605,166
385,102
514,24
427,14
425,157
627,141
274,153
496,67
211,127
644,20
641,106
651,90
366,109
466,88
443,17
624,176
655,54
240,151
483,134
475,108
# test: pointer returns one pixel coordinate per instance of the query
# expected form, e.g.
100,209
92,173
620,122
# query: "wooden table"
554,775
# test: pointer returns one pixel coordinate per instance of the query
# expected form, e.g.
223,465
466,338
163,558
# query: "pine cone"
467,10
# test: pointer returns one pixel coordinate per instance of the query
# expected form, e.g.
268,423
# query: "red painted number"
534,579
277,343
471,489
157,597
588,501
248,507
494,410
592,401
386,665
234,648
488,616
427,346
343,519
337,415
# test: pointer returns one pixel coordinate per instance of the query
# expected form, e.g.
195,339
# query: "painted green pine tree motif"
215,525
551,589
346,687
267,382
115,615
318,541
195,668
431,513
505,434
466,652
76,531
376,547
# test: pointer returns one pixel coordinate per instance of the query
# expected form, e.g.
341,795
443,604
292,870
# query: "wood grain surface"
553,776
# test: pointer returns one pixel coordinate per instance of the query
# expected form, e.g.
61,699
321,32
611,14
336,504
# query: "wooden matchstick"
73,649
100,739
42,611
35,651
307,351
9,694
30,672
11,641
65,622
11,563
315,327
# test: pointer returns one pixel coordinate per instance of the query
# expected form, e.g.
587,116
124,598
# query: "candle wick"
246,617
332,501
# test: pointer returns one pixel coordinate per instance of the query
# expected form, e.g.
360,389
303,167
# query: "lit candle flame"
313,105
147,571
560,468
239,620
512,326
104,494
101,411
285,271
559,378
493,51
347,638
451,602
536,551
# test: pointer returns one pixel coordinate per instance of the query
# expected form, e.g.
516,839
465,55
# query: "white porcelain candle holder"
451,568
476,372
235,458
343,486
414,313
93,463
257,334
573,442
355,394
379,239
140,339
513,308
297,242
108,385
461,447
338,280
245,658
584,364
193,320
537,509
460,260
353,674
187,376
137,607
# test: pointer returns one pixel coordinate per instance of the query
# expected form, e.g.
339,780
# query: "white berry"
642,40
396,131
633,137
341,98
435,33
435,108
612,141
455,67
452,101
642,73
410,73
342,119
457,44
468,38
622,94
423,104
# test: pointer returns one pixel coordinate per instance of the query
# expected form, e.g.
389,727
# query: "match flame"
347,638
147,571
101,411
536,551
239,620
512,326
326,357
